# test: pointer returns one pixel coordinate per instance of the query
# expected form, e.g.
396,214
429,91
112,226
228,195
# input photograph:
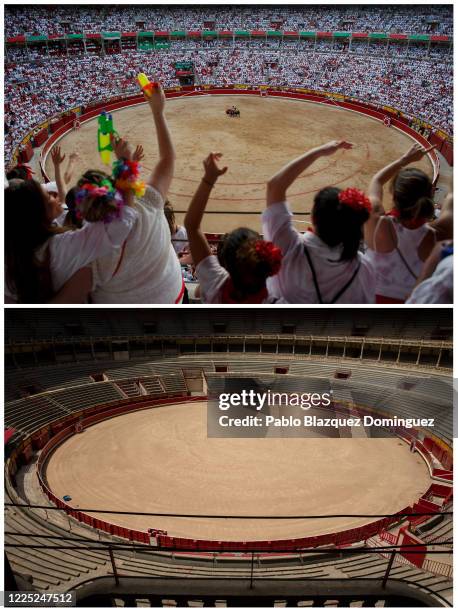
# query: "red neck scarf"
408,223
228,292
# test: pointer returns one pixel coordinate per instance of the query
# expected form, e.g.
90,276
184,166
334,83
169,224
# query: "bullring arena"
123,430
168,443
271,131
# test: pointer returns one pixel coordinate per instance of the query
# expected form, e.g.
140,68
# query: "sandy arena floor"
160,460
270,133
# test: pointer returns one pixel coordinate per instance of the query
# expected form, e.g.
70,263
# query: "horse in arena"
233,112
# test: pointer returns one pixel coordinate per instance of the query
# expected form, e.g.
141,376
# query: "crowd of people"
36,90
109,238
118,241
60,19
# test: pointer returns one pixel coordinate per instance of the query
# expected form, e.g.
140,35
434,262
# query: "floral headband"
105,189
355,199
125,178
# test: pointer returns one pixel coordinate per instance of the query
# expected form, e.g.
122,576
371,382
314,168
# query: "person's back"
398,269
338,281
237,274
399,241
323,266
146,269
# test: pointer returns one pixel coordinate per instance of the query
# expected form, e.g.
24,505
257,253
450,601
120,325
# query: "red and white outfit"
216,285
180,240
398,270
340,282
145,270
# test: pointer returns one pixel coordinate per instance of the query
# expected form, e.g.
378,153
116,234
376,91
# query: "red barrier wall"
26,153
40,439
447,151
439,490
40,138
56,124
417,555
438,451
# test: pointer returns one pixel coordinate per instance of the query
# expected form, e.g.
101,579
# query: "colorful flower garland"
125,174
125,178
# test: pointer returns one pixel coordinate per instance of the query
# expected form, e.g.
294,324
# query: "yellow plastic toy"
146,85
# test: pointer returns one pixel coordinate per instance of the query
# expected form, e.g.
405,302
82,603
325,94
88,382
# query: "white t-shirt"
212,276
180,239
393,278
147,270
294,282
438,288
72,250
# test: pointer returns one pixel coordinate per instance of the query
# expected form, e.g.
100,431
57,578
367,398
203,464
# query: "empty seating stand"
174,383
80,324
78,398
130,388
152,385
72,387
31,413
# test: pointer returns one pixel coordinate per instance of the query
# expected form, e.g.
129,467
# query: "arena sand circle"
160,460
270,132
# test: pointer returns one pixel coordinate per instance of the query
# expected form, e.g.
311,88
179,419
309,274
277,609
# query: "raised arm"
57,159
162,174
375,192
198,244
68,174
123,150
280,182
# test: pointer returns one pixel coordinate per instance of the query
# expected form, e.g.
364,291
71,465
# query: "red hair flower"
269,253
356,199
28,169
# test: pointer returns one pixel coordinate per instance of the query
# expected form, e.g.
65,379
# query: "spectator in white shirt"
435,284
178,232
145,270
323,265
238,274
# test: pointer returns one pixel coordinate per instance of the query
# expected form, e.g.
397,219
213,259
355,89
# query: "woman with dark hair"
177,232
400,241
40,256
238,273
324,265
